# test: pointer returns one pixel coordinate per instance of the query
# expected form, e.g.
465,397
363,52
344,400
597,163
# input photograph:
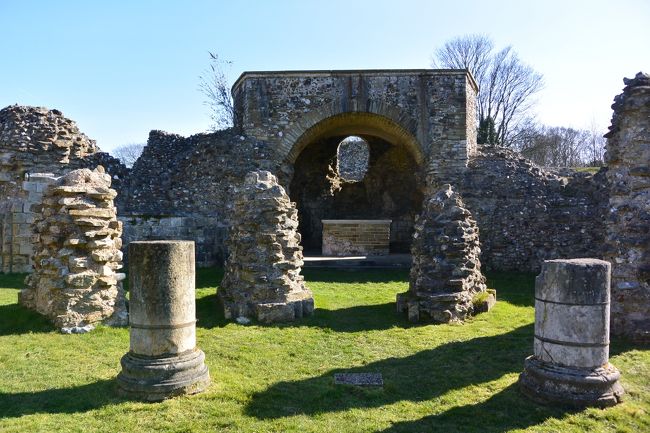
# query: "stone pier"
446,274
163,360
262,277
76,253
570,365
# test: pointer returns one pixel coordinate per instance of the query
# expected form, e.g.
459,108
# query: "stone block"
359,379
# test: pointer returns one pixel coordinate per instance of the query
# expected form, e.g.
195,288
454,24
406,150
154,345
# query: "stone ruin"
421,130
352,157
37,145
446,271
628,228
350,165
76,280
262,273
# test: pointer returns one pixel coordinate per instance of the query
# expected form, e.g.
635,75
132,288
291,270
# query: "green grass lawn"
447,378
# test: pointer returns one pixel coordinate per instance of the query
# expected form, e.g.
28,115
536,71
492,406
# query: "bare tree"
129,153
596,147
506,84
214,84
557,146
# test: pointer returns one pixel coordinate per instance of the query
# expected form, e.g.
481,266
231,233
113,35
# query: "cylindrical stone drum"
162,307
572,313
163,360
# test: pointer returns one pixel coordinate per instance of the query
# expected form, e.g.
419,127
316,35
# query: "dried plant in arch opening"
352,163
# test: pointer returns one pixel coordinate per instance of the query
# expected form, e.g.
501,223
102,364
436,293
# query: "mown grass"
592,170
447,378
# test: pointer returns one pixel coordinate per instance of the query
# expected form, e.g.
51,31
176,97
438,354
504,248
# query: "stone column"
163,360
571,361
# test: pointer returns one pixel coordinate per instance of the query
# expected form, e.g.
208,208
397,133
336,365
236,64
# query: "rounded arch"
384,122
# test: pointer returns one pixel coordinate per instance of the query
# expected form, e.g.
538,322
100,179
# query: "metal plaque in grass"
358,379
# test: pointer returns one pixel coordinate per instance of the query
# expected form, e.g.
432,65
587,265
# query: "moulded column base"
158,378
548,383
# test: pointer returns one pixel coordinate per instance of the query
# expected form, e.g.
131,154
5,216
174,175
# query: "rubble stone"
262,273
77,239
528,214
446,270
352,157
628,219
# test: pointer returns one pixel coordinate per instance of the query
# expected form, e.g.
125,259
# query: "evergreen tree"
486,132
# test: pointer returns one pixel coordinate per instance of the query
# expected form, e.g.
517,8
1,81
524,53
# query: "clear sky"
121,68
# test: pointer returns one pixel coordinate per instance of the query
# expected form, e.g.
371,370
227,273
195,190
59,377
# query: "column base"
158,378
574,387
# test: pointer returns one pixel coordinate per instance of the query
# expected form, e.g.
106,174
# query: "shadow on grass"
59,400
420,377
504,411
359,318
517,288
514,288
208,277
12,281
209,314
17,320
620,345
355,275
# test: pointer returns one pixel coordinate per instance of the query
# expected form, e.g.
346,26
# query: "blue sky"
122,68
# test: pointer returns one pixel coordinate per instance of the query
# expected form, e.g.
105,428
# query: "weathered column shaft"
572,313
162,306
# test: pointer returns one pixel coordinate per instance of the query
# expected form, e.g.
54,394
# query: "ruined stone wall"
446,271
16,223
389,190
356,237
193,175
181,188
37,145
208,233
628,219
262,278
527,215
35,139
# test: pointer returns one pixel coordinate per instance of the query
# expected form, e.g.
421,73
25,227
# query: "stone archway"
320,125
392,188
